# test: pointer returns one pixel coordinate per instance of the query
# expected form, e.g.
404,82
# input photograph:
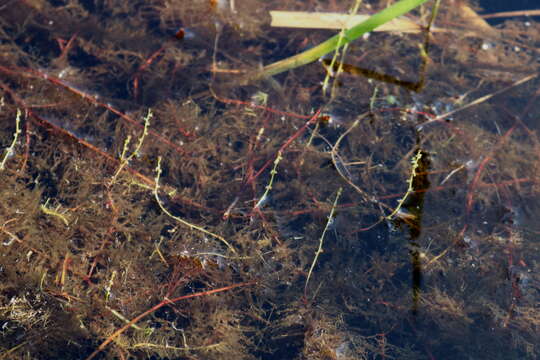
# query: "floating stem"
321,240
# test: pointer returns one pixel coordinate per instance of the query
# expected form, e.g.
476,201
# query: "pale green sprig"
321,240
182,221
273,173
124,158
415,163
11,149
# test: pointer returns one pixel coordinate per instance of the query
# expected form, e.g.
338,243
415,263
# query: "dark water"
496,6
398,222
491,6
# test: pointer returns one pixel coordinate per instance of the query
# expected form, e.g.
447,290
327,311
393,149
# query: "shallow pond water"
158,202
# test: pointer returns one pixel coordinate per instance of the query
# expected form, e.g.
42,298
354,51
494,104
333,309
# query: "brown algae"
419,200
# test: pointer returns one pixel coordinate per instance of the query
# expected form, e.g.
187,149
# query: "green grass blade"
308,56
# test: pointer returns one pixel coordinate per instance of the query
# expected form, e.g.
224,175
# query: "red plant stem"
311,120
142,68
92,99
477,176
115,162
65,46
262,107
160,305
112,160
286,144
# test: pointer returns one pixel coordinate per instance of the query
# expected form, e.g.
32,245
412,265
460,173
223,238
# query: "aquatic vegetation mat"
380,203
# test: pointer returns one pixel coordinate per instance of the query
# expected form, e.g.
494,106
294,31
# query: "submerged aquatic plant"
267,231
